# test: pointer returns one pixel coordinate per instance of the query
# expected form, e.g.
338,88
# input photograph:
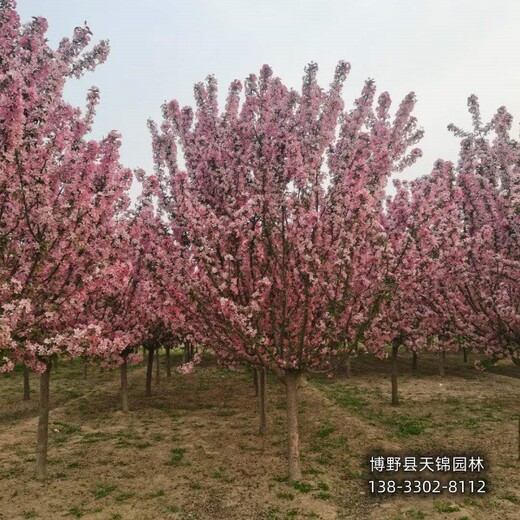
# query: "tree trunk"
43,425
124,386
519,437
442,355
262,400
414,360
395,396
465,353
347,364
55,361
291,385
157,366
149,370
26,383
186,353
168,363
255,380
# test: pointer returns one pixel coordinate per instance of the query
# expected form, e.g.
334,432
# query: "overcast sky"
443,50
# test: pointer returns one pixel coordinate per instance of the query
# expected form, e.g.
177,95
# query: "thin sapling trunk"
347,364
42,440
124,386
26,383
168,362
262,400
292,378
157,366
395,396
442,356
149,371
255,380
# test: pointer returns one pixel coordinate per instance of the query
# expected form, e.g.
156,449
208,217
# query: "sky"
443,50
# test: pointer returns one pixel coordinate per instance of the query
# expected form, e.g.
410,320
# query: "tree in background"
488,281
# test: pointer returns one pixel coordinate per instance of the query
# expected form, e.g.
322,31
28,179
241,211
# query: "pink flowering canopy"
60,193
460,273
124,298
423,221
488,177
278,250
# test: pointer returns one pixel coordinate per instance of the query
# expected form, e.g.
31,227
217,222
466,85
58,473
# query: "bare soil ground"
192,450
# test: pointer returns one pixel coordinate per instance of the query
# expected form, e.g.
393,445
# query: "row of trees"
275,245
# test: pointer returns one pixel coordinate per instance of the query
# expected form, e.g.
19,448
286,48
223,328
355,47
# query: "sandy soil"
192,450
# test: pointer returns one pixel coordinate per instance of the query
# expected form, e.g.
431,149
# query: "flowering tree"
465,246
423,225
59,196
488,174
282,257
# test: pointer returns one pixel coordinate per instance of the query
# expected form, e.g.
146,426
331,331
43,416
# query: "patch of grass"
323,486
452,400
471,502
312,471
195,485
124,496
446,507
90,438
225,413
285,496
353,473
325,431
302,487
177,455
407,425
325,459
346,396
103,491
414,514
220,474
323,495
76,512
73,465
11,472
338,442
158,493
512,498
70,393
172,509
30,514
472,422
65,428
271,513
